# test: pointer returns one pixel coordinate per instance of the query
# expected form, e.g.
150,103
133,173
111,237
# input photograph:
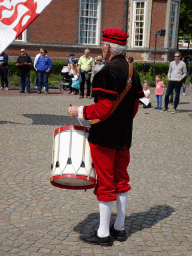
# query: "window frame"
173,41
98,23
24,37
134,23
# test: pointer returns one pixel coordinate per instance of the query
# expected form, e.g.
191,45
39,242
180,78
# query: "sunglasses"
99,60
176,56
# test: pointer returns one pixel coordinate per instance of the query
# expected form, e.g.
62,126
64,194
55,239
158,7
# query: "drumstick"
78,118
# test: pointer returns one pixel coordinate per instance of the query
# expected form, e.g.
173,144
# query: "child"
146,100
159,91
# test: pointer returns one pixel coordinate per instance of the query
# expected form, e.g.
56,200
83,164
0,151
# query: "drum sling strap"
120,97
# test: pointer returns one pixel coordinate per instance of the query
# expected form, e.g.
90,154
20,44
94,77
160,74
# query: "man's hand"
73,111
180,79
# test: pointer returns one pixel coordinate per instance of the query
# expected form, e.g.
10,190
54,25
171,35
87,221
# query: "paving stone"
39,219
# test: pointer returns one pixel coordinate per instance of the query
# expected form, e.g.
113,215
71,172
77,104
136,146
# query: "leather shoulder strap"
121,96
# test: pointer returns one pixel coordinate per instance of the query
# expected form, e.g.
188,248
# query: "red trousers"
111,168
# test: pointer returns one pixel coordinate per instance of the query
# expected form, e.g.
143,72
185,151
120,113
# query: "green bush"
55,79
57,67
33,76
14,80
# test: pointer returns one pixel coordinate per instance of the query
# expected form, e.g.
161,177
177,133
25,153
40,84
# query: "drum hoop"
72,176
73,127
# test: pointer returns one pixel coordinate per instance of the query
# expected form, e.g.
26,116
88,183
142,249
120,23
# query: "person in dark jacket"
24,63
4,70
110,140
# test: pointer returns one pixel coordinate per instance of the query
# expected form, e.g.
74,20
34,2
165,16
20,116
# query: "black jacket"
24,68
4,60
116,130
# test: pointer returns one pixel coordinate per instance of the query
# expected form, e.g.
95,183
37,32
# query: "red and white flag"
16,16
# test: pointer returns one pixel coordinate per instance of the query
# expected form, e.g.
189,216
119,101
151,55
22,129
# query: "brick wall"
113,14
57,24
158,22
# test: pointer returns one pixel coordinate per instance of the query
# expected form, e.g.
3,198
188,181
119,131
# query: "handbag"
75,84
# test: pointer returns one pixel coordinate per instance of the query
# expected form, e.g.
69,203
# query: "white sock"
105,209
121,205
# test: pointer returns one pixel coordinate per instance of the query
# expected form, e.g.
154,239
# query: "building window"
138,23
22,37
173,26
89,25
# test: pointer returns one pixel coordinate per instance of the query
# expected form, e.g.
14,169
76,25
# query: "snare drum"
72,166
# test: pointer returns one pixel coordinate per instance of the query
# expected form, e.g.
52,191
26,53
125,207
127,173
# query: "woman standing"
43,66
98,66
74,75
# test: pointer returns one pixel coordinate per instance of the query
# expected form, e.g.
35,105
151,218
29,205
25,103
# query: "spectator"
189,74
85,67
43,66
159,91
98,66
146,99
177,71
4,70
35,61
184,59
131,60
23,63
74,75
72,58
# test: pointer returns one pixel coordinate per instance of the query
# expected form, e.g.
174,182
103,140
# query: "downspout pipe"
126,14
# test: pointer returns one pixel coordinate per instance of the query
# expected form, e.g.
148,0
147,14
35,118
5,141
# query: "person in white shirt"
146,100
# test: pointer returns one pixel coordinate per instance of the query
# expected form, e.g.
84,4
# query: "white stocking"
121,205
105,209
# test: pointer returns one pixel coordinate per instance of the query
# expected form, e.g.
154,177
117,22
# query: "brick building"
72,26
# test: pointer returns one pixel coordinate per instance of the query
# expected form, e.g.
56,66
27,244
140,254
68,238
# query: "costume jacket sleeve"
101,109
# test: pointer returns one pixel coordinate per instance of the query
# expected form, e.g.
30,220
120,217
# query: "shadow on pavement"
8,122
44,119
134,223
184,110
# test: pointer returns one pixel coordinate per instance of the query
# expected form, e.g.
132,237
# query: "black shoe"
119,235
95,239
21,92
156,108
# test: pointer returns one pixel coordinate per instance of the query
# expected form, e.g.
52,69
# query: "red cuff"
99,110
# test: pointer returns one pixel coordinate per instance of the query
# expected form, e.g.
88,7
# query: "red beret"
115,35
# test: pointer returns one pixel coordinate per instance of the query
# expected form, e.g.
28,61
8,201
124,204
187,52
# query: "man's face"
177,57
86,53
22,52
105,49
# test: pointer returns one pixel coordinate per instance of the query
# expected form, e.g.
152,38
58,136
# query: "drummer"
110,140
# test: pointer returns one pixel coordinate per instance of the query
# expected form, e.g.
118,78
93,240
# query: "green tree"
185,20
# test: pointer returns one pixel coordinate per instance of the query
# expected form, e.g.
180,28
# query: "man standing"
4,70
110,140
177,71
85,67
23,63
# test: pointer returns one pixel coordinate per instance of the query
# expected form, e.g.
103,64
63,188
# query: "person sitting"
146,100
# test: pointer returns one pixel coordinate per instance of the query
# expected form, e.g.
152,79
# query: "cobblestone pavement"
38,219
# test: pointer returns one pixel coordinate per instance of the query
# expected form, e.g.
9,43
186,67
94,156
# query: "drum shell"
77,174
